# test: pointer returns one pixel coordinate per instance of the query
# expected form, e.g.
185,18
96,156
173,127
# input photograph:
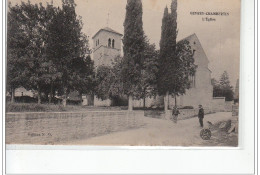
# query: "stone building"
107,45
201,91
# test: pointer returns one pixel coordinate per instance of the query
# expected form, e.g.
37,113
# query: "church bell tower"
106,46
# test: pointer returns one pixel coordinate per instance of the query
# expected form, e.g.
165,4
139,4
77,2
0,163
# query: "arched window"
109,42
113,43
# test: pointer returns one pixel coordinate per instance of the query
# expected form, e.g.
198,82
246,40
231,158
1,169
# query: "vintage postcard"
123,72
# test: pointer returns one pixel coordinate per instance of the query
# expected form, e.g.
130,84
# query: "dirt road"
159,132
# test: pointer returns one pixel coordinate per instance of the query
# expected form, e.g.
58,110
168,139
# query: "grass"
35,107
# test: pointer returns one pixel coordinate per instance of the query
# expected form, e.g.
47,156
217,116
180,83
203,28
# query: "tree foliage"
109,80
47,49
222,88
32,21
134,43
176,59
149,72
17,42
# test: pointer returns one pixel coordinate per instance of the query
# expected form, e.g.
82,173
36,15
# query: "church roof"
189,37
108,30
194,37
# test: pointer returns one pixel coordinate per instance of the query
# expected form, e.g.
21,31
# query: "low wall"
228,106
235,110
189,113
61,127
184,113
218,104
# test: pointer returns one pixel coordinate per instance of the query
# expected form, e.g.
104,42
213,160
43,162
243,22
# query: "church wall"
200,57
104,55
202,93
103,37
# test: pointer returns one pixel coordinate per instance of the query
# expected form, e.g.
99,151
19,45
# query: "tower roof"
108,30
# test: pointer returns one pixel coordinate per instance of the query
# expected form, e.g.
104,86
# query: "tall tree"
16,45
176,60
32,21
167,57
134,43
149,72
68,48
37,22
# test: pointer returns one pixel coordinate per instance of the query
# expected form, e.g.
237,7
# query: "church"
107,44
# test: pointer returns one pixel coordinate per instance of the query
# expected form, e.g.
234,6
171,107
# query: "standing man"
201,115
175,113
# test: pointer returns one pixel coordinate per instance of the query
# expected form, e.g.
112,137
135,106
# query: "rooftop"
108,30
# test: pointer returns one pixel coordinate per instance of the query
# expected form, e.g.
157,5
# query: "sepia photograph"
123,73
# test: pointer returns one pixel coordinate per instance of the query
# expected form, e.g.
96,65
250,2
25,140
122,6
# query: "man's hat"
200,105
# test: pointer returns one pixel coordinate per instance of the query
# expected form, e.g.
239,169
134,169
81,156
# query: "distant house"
21,91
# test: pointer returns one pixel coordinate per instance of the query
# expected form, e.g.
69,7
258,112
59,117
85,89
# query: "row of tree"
47,50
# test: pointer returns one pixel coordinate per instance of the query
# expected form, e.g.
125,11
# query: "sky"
220,39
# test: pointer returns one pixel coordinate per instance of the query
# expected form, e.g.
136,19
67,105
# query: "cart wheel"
205,134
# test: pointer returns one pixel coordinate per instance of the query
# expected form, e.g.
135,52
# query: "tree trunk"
51,93
39,94
80,96
50,98
144,98
166,102
64,100
12,94
130,103
175,100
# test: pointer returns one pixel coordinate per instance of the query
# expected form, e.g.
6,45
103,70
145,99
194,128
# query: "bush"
25,99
